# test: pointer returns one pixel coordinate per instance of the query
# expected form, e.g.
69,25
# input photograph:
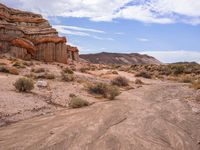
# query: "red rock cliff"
27,35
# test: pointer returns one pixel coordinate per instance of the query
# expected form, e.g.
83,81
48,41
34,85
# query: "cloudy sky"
166,29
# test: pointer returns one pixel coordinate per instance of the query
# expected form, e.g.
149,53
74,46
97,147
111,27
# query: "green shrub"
120,81
143,74
77,102
24,84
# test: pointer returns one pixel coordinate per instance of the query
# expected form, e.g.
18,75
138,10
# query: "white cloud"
78,28
80,31
175,56
143,39
148,11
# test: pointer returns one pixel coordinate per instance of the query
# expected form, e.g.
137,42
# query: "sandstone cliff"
119,58
27,35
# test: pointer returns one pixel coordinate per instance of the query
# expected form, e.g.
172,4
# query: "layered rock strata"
27,36
73,53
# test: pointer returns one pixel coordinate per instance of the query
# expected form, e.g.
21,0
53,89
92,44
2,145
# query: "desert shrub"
196,84
67,77
68,71
107,91
138,81
24,84
114,72
143,74
4,69
113,91
77,102
31,75
19,64
49,76
38,70
177,69
120,81
98,88
186,80
10,70
83,69
13,70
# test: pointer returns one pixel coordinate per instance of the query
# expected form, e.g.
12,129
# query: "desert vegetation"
107,91
120,81
77,102
24,84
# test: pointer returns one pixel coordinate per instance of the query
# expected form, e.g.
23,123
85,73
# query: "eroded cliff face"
27,35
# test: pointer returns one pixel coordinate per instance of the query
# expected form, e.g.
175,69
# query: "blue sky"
166,29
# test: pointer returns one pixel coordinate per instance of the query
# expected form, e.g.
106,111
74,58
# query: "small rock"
42,84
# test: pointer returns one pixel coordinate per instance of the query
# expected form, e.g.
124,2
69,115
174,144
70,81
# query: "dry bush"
67,77
4,69
77,102
13,71
120,81
186,79
107,91
24,84
113,91
138,81
10,70
68,71
31,75
38,70
115,72
18,64
98,88
177,69
49,76
196,84
84,69
143,74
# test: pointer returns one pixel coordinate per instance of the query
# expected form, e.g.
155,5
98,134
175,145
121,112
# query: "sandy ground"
157,116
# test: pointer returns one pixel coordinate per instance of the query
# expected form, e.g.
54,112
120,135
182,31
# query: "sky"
166,29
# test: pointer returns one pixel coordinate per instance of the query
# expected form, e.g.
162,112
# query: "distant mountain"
119,58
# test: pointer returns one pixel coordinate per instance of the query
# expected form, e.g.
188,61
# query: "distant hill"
119,58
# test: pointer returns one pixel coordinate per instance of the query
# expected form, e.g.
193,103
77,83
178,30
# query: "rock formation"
27,35
73,53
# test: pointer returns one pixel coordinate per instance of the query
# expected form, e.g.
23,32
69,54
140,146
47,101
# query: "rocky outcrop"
73,53
27,35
